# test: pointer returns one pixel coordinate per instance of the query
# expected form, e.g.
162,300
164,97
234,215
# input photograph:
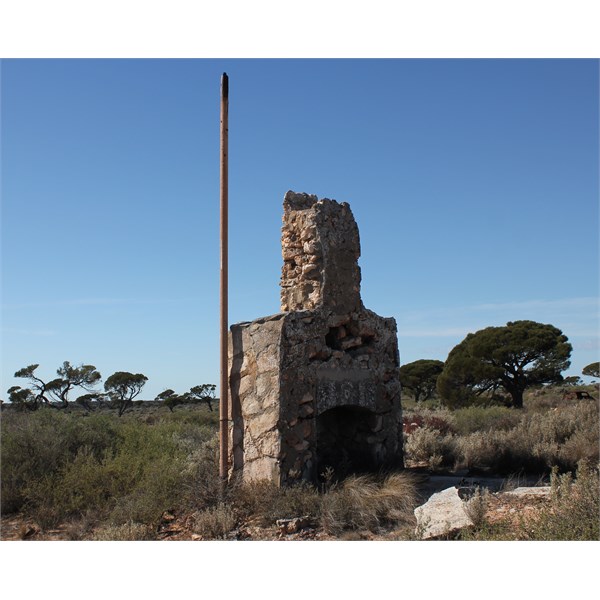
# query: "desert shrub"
477,505
214,523
131,486
564,436
266,502
165,468
134,532
196,416
477,418
155,491
505,452
201,485
33,445
582,445
96,432
542,400
574,511
550,397
554,426
476,451
36,446
430,446
61,466
409,403
79,486
538,441
80,528
362,503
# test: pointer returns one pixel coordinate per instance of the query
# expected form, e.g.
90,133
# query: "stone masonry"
316,385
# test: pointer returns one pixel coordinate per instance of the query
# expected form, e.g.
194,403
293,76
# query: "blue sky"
474,184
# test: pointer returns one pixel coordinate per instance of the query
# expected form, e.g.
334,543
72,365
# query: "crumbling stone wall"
320,248
317,385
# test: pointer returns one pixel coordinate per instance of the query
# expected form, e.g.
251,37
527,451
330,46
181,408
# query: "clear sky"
474,184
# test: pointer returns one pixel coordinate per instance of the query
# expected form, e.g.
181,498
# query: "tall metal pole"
224,383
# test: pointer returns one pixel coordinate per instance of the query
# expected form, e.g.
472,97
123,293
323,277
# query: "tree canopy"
592,370
83,376
199,394
513,357
123,387
204,393
22,398
170,399
69,377
420,377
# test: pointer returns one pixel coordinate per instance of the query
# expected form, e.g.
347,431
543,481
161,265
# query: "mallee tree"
83,376
123,387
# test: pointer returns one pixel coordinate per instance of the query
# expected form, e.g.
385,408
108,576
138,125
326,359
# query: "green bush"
476,418
61,466
32,447
78,487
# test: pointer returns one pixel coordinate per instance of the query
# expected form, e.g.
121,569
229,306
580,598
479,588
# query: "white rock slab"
443,513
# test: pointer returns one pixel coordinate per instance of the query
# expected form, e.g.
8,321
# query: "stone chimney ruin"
317,385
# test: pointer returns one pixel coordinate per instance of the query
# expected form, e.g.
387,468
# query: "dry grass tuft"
362,502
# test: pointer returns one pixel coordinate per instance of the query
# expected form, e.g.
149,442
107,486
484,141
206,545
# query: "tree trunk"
517,398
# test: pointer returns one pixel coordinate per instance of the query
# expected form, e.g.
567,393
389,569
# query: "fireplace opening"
342,441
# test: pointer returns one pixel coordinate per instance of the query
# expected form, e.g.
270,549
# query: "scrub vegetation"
153,474
499,406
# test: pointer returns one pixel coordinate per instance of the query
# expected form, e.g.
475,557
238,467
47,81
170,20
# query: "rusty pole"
224,383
